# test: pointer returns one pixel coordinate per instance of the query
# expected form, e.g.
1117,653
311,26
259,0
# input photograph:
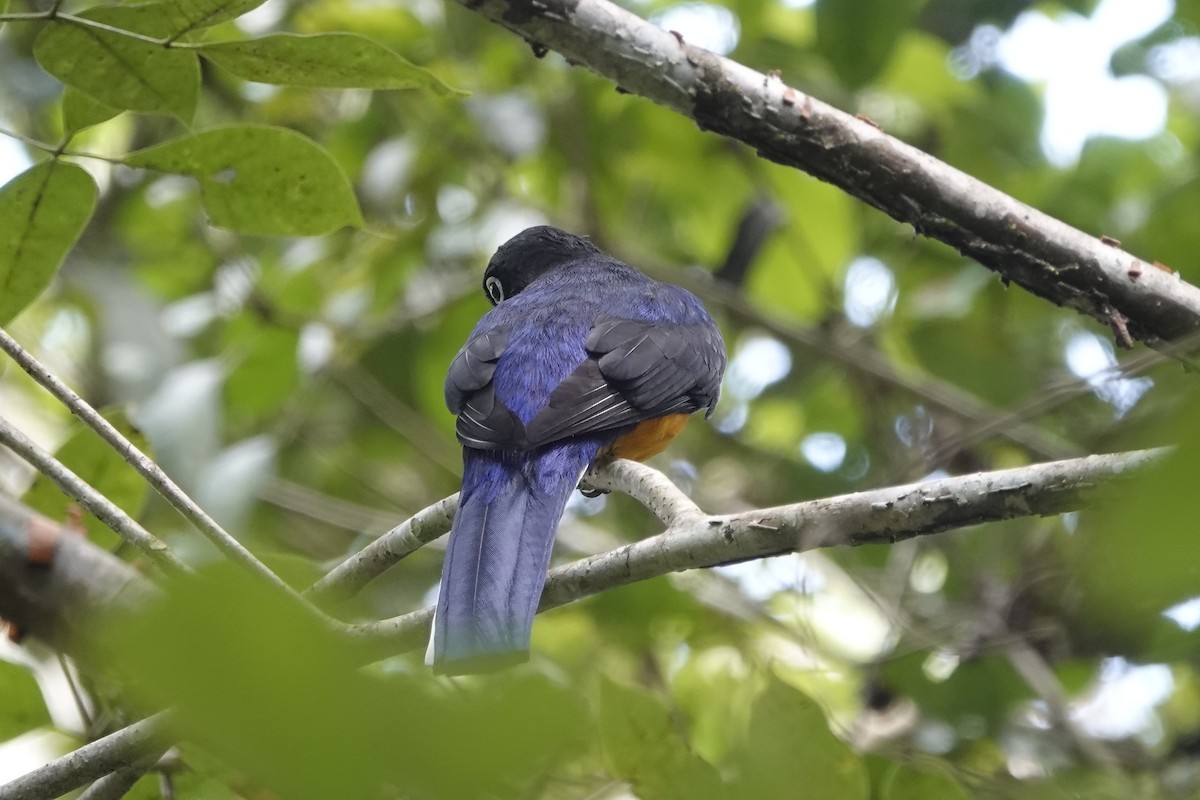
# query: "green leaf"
1188,11
858,36
80,110
1127,581
260,180
903,783
790,746
190,15
91,458
21,702
44,210
797,279
321,61
982,689
118,69
644,748
253,677
267,375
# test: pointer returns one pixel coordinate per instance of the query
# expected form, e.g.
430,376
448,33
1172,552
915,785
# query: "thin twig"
306,501
101,507
22,16
398,416
1032,667
145,466
867,361
349,577
165,42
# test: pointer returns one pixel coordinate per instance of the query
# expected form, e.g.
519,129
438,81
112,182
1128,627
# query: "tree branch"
116,785
81,491
92,762
1025,246
53,581
349,577
50,581
145,466
646,485
878,516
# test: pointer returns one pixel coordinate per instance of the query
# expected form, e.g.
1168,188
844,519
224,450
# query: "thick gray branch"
1025,246
53,582
648,486
877,516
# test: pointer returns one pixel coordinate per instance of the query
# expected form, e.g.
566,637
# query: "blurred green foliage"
280,338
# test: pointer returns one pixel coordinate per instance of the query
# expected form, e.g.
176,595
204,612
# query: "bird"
581,358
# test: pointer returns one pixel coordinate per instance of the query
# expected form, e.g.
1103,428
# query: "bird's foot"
585,485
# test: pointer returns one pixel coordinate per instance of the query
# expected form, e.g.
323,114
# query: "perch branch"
881,515
349,577
648,486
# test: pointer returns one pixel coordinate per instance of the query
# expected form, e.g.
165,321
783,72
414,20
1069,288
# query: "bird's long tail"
498,555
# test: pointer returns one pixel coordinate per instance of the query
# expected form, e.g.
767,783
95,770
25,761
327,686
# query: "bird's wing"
483,421
634,371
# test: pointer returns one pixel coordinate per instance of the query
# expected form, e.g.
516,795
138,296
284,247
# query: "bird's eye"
494,289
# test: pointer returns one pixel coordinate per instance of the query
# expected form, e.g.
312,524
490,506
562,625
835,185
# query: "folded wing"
634,371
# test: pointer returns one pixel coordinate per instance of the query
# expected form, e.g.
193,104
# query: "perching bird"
582,358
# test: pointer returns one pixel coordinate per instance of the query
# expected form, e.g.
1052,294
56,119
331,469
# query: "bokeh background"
294,387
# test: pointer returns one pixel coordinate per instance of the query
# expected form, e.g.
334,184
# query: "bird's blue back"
550,321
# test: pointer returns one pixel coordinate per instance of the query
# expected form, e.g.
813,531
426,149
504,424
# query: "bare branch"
78,489
145,466
92,762
646,485
878,516
117,784
1025,246
348,578
53,582
1040,677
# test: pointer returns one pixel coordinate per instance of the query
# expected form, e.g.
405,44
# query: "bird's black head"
528,255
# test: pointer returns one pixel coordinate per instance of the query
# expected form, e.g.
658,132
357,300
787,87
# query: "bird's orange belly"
649,438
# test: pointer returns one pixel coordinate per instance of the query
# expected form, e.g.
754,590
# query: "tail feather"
498,556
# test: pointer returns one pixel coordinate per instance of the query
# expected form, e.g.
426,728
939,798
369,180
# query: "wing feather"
634,371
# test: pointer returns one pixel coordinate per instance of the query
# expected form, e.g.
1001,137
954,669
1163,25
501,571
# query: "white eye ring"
494,289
